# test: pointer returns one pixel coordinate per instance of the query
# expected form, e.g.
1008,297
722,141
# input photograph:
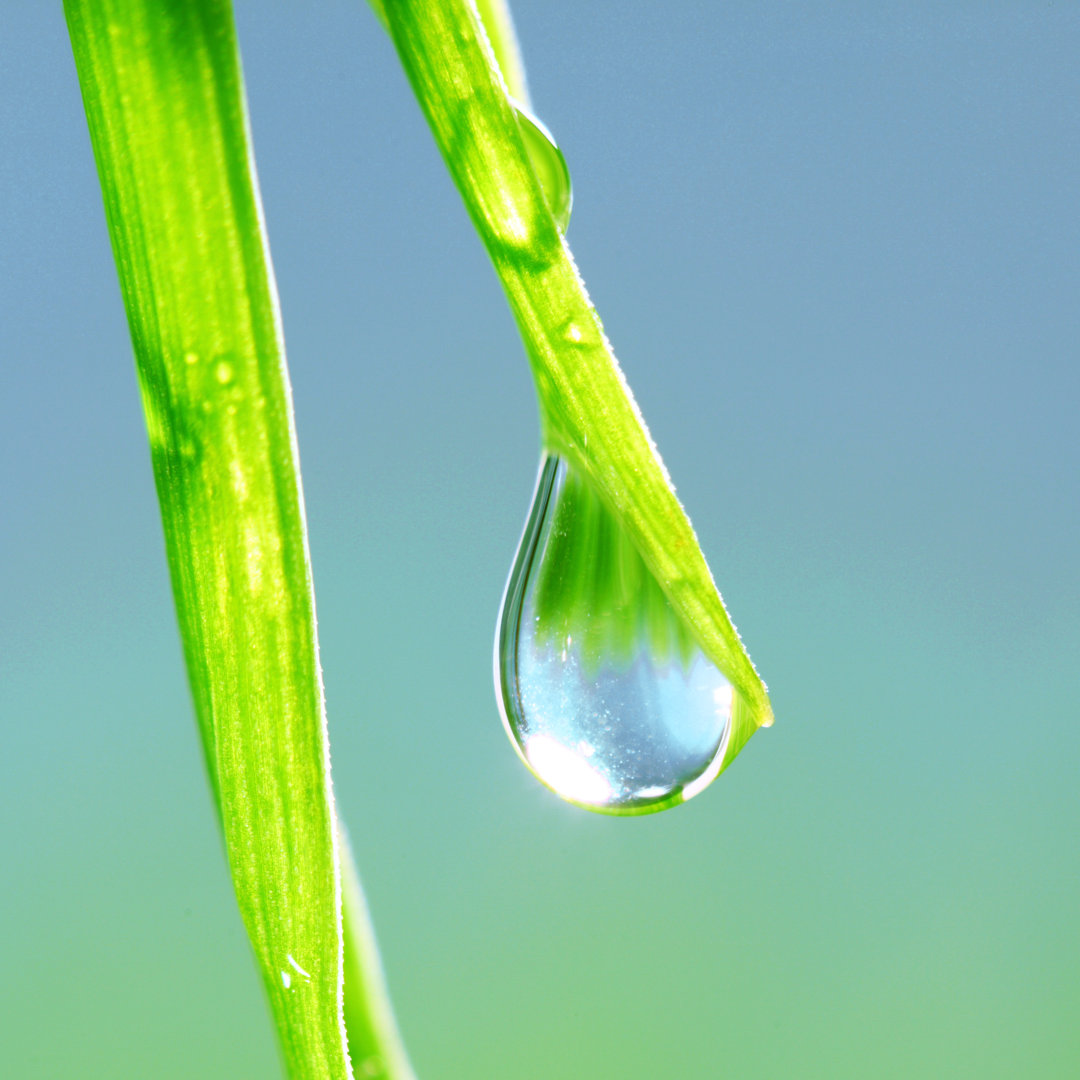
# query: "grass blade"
164,100
588,415
375,1043
498,23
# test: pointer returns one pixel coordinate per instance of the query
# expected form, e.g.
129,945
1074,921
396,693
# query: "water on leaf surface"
603,690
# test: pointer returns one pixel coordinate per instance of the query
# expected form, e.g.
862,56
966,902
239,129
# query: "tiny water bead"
549,164
604,692
288,976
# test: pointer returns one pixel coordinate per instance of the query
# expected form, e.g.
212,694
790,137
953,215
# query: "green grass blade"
499,26
588,414
378,1052
164,99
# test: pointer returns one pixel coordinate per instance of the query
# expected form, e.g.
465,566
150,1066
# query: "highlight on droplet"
296,967
603,690
564,770
286,976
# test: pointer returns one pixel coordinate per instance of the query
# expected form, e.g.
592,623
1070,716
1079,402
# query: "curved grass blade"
375,1043
588,415
164,99
498,23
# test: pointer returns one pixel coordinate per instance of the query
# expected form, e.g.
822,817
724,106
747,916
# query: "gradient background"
837,248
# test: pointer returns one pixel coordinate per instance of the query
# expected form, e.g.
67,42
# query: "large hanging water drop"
604,692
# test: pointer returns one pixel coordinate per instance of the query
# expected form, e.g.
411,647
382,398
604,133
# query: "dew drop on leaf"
549,165
604,692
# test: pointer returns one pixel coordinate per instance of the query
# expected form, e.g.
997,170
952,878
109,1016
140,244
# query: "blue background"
837,249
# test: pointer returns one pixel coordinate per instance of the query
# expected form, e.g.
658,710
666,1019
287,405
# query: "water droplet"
287,976
603,690
223,372
549,165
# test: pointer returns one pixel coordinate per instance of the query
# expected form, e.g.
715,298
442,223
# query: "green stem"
164,99
587,412
375,1043
499,25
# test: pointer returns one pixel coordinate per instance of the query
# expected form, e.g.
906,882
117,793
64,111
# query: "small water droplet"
191,358
296,967
549,165
286,976
603,690
223,372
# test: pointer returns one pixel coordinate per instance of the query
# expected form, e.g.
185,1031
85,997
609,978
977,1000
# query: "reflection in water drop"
549,165
604,692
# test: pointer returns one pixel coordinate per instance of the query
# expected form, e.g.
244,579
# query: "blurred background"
837,249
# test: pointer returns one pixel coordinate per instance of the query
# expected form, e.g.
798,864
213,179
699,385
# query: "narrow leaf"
588,415
164,99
